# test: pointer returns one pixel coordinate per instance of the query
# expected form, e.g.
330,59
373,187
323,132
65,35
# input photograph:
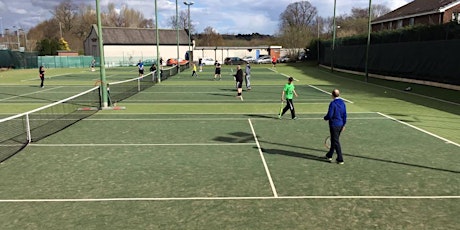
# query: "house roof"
141,36
417,8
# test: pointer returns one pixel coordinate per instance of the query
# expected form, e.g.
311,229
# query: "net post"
29,134
105,103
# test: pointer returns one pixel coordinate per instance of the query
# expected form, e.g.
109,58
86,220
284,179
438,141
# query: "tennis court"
186,154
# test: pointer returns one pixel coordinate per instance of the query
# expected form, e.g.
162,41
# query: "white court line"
227,198
216,119
328,93
38,91
388,88
220,113
36,79
275,194
234,100
287,76
421,130
108,144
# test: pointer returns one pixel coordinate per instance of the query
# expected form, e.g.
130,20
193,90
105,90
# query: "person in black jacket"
41,74
239,81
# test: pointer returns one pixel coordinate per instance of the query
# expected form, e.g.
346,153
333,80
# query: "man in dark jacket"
239,81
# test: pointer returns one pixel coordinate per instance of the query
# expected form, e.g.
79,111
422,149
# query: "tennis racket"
327,142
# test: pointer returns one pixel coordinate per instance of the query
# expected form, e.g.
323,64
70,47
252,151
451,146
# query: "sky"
224,16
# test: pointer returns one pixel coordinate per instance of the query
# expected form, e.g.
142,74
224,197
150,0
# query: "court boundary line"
388,88
447,141
324,91
218,119
261,153
226,198
222,113
140,144
27,94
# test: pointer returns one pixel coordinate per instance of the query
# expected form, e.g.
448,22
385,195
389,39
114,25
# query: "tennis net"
19,130
121,90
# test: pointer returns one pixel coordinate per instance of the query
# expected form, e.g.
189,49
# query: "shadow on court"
262,116
242,137
401,163
294,154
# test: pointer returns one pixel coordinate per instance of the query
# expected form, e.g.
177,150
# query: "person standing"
217,71
274,60
153,70
140,66
287,95
41,74
248,76
337,117
194,74
93,64
239,81
200,64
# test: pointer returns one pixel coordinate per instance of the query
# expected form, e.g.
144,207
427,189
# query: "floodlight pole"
333,38
188,5
158,71
105,103
369,28
17,34
177,31
1,25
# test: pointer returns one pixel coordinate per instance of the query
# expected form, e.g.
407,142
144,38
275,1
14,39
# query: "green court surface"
187,154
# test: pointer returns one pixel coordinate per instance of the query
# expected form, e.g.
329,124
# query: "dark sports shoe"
328,158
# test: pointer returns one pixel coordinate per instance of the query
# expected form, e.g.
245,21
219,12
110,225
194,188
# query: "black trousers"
42,79
289,106
335,143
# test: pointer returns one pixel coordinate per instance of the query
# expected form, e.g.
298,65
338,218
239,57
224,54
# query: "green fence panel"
435,61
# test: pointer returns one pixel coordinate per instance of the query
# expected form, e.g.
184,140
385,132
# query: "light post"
333,37
369,28
17,33
188,5
1,25
177,35
7,31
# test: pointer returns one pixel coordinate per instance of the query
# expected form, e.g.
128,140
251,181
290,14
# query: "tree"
297,24
48,47
357,22
65,13
63,45
379,10
210,38
182,23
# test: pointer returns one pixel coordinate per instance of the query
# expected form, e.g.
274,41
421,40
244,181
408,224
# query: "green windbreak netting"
435,61
65,61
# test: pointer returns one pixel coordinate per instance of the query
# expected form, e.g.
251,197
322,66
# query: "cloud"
225,16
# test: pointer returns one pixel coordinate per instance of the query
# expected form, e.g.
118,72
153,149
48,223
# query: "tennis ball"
385,92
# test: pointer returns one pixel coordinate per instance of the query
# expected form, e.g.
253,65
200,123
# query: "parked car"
249,59
173,61
149,62
264,60
234,61
207,61
284,59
